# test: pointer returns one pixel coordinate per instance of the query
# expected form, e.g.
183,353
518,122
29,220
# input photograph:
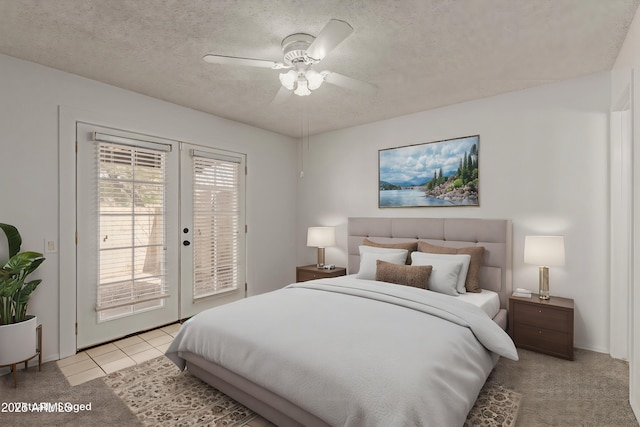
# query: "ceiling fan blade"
249,62
331,36
349,83
282,95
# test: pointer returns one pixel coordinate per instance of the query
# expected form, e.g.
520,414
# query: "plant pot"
18,341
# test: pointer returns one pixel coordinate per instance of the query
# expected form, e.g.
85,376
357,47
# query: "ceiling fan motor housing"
295,47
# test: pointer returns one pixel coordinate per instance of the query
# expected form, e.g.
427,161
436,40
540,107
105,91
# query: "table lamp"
544,251
321,237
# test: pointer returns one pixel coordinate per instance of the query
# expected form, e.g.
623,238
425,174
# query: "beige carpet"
50,386
160,395
590,391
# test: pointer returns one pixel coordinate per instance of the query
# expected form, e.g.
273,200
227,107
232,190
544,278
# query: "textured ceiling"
421,54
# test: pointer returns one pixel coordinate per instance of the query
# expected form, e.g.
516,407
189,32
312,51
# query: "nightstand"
310,272
545,326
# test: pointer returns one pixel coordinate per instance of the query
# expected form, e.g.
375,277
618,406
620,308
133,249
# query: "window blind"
132,238
216,223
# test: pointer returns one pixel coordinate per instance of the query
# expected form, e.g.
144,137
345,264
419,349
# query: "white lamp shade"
321,237
302,89
544,250
288,79
314,78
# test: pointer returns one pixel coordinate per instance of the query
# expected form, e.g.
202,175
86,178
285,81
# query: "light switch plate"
50,246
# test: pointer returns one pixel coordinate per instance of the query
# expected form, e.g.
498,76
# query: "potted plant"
17,329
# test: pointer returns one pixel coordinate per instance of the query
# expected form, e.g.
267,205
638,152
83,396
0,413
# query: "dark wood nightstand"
310,272
545,326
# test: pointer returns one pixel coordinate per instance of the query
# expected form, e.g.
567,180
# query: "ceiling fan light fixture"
303,88
288,79
314,79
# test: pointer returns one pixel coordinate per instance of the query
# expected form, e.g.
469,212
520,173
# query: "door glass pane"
216,221
132,233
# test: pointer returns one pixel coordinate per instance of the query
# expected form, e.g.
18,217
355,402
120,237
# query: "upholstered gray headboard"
493,234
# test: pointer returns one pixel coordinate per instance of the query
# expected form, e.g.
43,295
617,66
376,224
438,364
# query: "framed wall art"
439,173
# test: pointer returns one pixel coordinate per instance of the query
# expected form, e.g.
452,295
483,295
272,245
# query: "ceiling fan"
302,52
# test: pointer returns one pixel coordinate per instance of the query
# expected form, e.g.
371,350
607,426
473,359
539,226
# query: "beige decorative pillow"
409,246
416,276
472,283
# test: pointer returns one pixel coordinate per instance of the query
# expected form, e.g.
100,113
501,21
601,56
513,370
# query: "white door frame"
634,288
621,225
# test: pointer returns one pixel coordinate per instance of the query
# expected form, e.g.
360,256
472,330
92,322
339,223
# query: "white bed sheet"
488,301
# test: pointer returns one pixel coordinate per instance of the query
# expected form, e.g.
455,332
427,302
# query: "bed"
354,351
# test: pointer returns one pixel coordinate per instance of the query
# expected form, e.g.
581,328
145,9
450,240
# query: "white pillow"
425,258
370,254
444,275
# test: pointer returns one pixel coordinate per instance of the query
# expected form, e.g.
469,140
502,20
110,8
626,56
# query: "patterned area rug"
495,406
160,395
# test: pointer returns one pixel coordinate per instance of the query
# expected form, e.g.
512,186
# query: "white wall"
543,164
29,191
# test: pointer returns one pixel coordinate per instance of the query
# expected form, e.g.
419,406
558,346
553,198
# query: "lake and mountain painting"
441,173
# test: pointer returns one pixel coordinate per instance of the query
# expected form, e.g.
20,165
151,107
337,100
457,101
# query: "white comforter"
355,352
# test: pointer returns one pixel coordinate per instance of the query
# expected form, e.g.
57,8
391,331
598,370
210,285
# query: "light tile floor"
99,361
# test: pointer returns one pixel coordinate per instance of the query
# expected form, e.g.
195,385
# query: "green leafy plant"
15,290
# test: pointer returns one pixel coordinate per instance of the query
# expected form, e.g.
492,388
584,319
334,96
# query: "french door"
212,228
143,258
